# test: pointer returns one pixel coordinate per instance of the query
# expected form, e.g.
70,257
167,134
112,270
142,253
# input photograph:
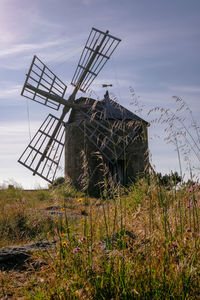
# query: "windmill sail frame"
35,150
41,77
43,86
106,44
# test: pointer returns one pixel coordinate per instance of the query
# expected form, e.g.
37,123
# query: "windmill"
43,154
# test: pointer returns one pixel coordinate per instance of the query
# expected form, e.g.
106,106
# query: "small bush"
58,181
43,195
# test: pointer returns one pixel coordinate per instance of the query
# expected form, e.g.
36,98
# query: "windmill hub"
102,127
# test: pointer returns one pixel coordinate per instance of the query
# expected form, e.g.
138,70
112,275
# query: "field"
137,243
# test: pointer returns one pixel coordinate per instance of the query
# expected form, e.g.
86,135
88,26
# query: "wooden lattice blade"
41,77
98,49
32,155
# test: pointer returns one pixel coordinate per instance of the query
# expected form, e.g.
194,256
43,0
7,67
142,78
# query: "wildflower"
75,250
23,200
48,232
64,243
82,239
82,220
63,234
191,204
79,200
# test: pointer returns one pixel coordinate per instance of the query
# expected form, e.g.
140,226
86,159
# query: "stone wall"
84,168
137,156
82,163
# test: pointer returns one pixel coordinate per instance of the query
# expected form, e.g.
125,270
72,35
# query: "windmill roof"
109,108
116,111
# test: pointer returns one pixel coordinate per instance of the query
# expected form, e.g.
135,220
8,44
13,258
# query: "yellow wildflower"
64,243
82,220
79,200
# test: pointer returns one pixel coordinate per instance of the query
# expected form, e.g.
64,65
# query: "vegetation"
142,244
169,180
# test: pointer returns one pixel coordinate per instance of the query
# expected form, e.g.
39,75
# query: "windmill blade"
108,137
41,77
98,49
31,157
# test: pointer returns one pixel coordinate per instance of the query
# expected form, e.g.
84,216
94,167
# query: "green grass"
23,216
95,258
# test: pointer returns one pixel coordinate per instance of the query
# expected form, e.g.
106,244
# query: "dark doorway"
118,172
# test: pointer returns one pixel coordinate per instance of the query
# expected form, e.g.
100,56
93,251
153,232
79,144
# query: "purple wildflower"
191,204
23,200
75,250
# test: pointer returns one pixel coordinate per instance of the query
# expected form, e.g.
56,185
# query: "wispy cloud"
17,128
56,51
9,90
185,89
21,48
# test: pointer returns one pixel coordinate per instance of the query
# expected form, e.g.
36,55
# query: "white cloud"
9,91
185,89
21,48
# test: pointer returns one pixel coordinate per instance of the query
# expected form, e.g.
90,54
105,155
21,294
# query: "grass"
24,217
142,244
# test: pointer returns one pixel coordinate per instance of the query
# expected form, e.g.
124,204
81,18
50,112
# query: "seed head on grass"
82,239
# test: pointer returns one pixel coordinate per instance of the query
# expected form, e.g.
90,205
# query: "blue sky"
158,57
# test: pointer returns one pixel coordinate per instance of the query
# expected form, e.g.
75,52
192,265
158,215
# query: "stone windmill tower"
97,133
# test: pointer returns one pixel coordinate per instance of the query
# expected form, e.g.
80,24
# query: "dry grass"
142,244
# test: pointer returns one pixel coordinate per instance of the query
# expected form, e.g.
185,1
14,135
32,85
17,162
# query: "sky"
157,59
